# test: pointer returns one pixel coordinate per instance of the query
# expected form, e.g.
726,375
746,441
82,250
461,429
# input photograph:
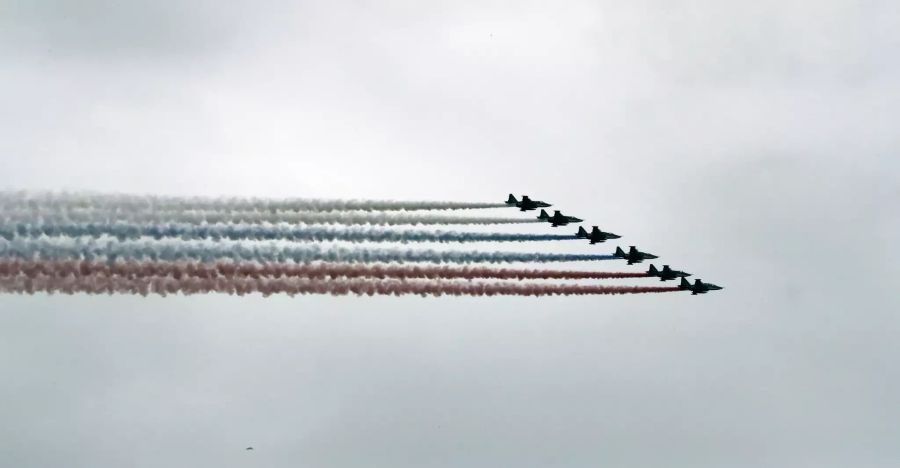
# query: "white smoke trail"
129,202
53,215
123,231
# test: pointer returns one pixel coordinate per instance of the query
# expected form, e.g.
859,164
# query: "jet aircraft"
633,255
558,219
666,273
699,287
527,204
596,235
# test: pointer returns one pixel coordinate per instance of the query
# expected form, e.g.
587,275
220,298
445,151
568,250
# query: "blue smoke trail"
91,249
123,231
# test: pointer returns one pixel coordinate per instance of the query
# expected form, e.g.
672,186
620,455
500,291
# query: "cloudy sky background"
754,144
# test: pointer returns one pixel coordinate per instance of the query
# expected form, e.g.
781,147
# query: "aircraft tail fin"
582,232
512,200
684,284
543,215
620,252
653,271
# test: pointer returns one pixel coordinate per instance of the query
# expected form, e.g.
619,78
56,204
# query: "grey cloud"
103,29
751,144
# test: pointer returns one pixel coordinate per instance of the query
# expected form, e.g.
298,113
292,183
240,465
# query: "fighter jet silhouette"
558,219
633,255
526,204
596,235
699,287
666,273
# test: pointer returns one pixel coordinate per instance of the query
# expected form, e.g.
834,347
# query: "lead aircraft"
699,287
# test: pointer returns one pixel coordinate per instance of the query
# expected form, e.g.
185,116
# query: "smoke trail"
152,202
133,268
98,284
58,249
54,215
123,231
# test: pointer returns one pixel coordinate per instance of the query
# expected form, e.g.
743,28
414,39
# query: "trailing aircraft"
558,219
596,235
633,255
666,273
527,204
699,287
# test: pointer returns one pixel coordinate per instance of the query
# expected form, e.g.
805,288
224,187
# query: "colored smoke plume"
153,202
171,250
133,268
91,215
99,284
123,231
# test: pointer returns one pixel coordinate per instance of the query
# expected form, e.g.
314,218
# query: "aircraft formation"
146,244
632,255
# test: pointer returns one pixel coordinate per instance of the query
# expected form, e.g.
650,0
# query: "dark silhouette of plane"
666,273
249,448
527,204
633,255
596,235
699,287
558,219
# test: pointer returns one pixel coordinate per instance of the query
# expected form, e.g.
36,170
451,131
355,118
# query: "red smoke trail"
165,285
133,268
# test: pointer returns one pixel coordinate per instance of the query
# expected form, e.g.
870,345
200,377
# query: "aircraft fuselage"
699,287
633,255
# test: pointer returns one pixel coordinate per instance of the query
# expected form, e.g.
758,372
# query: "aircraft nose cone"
614,236
577,220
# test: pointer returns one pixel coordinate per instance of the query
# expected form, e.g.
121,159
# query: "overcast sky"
751,143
